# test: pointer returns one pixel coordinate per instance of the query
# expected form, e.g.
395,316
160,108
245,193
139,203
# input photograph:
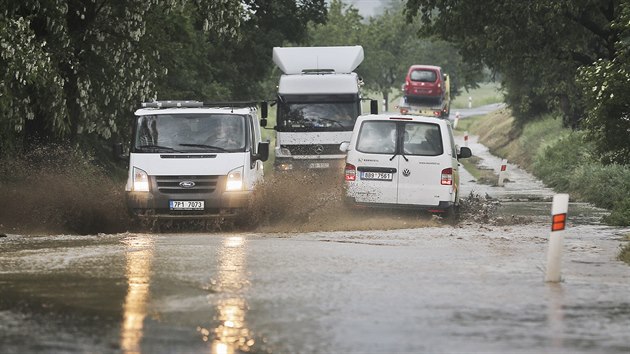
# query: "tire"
451,215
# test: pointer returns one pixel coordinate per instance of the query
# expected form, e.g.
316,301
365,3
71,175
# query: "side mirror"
344,146
263,151
263,122
118,152
464,152
373,107
264,111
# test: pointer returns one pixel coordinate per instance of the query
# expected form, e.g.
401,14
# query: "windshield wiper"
396,154
205,146
331,121
151,146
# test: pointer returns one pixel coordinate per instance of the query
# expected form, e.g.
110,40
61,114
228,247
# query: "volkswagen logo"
186,184
406,172
318,149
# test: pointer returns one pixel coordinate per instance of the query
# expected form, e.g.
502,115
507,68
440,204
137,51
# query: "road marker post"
457,116
502,173
466,138
559,210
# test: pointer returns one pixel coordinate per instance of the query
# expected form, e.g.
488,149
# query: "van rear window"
422,139
412,138
377,137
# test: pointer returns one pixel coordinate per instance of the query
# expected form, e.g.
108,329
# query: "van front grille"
186,184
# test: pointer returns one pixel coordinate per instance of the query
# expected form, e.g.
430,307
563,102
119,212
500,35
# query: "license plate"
319,165
380,176
186,204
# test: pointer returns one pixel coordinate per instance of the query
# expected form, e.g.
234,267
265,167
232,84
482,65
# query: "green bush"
568,165
620,216
555,164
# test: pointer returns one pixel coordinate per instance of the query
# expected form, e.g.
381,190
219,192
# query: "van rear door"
421,165
376,163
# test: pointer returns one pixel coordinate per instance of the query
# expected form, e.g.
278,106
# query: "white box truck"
319,100
190,160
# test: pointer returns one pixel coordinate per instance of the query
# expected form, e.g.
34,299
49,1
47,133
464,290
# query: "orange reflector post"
558,222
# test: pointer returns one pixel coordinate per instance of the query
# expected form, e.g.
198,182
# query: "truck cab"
319,100
193,160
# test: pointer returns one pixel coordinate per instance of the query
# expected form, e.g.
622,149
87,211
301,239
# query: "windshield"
317,116
190,133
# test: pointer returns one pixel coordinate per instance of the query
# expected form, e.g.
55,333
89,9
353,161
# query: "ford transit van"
190,160
403,162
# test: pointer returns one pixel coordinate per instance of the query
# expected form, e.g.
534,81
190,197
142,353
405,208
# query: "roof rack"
171,104
199,104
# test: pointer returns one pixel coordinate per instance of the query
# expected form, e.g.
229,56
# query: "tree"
567,56
606,88
537,46
74,70
391,46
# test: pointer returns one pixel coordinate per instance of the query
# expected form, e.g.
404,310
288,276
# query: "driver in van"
226,135
148,132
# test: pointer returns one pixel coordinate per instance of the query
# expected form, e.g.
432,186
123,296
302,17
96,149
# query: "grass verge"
561,158
624,254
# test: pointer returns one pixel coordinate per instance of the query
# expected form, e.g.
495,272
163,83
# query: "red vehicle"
425,83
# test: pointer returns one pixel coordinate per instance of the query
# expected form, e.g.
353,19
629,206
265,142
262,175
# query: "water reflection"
231,334
555,314
139,259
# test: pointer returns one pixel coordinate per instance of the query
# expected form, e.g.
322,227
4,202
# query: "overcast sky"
368,7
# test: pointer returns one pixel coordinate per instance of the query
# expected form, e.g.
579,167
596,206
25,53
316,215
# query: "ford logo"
186,184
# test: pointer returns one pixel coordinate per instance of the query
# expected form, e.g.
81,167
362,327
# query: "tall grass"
562,159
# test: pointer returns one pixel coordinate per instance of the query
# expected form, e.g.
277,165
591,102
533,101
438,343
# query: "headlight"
140,180
281,151
234,180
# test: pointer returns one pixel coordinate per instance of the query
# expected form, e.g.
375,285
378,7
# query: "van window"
453,148
422,139
377,137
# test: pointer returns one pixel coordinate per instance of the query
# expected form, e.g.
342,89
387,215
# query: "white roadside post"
502,173
469,101
559,210
466,138
457,115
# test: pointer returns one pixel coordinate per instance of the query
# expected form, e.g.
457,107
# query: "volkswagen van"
403,162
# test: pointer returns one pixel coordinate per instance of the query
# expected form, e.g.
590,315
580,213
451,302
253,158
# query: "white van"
403,161
193,160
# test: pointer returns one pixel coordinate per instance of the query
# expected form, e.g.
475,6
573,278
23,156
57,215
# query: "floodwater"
377,283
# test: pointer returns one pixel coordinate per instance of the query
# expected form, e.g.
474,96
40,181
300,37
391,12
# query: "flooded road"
474,287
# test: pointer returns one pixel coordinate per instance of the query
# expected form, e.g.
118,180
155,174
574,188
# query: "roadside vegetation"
562,158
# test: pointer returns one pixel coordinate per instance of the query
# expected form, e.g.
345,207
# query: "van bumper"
147,205
443,206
